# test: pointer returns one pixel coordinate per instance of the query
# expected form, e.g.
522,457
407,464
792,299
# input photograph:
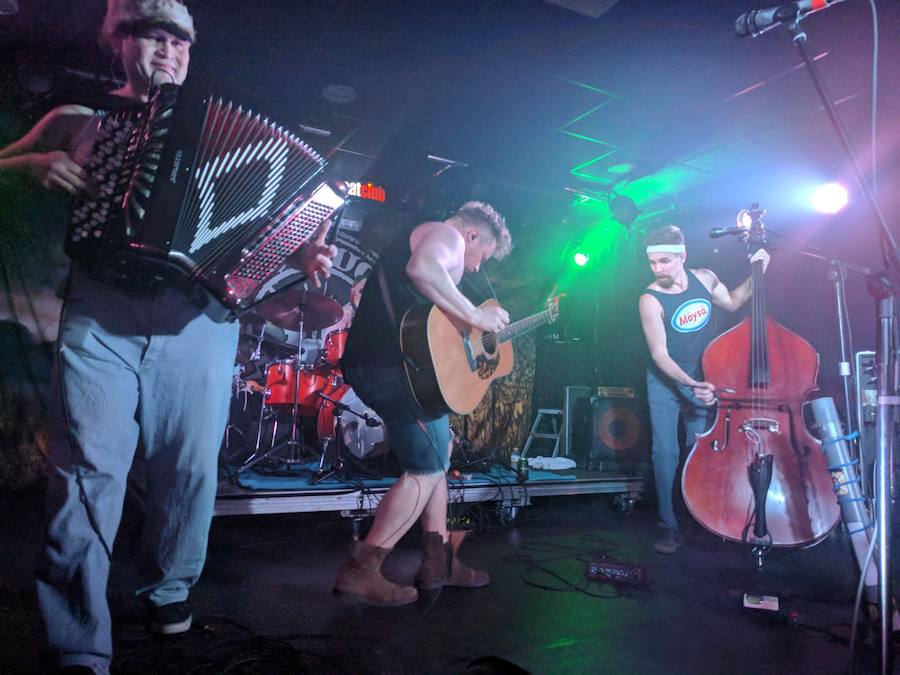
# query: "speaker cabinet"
620,434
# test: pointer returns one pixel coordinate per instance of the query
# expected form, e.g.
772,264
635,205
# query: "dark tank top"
374,339
687,317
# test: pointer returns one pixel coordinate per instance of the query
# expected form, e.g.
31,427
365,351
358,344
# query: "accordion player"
196,189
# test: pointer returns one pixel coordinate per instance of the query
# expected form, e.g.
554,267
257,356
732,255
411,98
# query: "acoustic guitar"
450,366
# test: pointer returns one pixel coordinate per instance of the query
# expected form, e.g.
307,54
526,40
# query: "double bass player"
676,312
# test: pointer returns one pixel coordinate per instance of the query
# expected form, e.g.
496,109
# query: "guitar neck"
522,326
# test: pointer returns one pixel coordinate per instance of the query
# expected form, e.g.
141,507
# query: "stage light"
621,169
830,198
581,258
624,210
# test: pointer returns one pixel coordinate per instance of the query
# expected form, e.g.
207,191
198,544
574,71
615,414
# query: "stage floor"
264,605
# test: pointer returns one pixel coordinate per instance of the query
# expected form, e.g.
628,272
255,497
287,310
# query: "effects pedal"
617,573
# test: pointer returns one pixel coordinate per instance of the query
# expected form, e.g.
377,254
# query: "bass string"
757,374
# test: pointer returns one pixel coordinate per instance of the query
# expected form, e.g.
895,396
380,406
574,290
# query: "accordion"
199,186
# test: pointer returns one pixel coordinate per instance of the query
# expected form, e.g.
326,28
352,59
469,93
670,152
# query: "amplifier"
615,392
620,433
609,431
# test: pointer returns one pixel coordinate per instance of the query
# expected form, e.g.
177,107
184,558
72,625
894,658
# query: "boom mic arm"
717,232
758,21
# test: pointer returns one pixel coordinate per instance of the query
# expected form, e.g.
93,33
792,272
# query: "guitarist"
424,268
676,315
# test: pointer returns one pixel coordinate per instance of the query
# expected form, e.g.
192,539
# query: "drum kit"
309,393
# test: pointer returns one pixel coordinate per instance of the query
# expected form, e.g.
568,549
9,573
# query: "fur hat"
124,17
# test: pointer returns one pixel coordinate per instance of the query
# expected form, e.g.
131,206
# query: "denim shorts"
422,444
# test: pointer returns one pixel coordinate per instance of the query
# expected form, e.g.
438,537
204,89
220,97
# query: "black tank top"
374,339
687,317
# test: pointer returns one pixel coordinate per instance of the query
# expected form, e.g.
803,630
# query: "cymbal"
270,347
317,310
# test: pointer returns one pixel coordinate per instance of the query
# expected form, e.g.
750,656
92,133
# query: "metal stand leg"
338,465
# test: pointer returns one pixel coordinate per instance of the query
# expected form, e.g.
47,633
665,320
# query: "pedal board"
617,573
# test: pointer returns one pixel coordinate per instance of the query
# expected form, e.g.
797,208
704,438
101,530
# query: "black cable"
579,554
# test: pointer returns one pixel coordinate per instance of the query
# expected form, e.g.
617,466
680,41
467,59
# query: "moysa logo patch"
691,316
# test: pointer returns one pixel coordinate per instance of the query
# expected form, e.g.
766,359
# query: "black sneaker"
170,619
669,541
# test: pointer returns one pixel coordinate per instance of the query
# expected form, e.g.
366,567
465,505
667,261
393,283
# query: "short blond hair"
485,216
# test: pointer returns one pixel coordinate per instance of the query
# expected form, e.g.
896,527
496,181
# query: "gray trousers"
130,366
668,401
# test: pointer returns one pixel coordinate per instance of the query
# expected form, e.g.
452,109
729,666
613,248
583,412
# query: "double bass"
757,475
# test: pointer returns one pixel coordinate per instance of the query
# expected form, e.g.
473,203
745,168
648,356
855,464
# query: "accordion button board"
201,187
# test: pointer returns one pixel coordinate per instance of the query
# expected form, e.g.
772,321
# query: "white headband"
666,248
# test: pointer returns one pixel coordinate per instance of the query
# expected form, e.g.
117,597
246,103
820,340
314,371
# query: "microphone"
717,232
448,162
758,21
371,421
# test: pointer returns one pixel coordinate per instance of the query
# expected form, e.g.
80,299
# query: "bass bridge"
764,423
748,426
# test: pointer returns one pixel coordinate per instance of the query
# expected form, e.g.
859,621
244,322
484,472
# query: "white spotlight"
830,198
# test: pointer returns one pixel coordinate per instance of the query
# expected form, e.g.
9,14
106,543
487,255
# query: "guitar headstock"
553,306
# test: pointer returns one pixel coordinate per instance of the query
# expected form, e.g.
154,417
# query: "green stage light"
581,258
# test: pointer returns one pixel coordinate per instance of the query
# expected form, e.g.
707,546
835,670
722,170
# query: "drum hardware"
294,443
288,307
337,438
333,349
237,388
307,389
463,451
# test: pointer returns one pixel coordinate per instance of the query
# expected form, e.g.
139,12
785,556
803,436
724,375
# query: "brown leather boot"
432,573
441,565
360,579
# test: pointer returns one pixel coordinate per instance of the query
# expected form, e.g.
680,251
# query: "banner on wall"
363,229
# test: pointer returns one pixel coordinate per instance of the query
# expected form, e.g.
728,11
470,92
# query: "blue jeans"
667,401
129,366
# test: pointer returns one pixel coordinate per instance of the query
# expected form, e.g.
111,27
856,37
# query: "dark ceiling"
533,97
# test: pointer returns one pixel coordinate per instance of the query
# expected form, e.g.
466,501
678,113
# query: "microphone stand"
339,409
837,274
883,288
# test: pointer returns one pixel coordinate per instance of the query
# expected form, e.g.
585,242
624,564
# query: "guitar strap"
386,296
392,315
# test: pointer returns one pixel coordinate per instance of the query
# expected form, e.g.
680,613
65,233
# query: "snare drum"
334,347
360,439
282,384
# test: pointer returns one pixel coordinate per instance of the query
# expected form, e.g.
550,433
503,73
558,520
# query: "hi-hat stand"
294,444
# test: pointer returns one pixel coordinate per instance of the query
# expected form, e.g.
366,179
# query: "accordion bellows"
199,186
